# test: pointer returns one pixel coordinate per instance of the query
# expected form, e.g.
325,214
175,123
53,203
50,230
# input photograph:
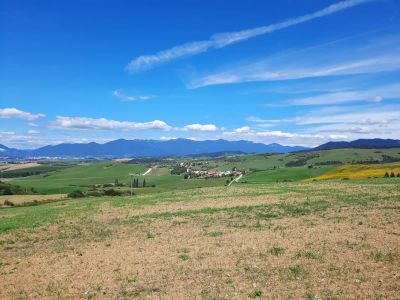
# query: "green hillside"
285,174
80,176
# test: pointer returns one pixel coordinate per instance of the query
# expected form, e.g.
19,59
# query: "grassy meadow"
291,228
325,240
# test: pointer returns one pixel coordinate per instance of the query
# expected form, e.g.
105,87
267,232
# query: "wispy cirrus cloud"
264,72
221,40
13,113
377,94
352,56
120,95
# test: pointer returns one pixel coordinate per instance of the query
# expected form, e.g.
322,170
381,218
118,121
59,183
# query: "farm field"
361,171
285,174
60,178
30,199
317,240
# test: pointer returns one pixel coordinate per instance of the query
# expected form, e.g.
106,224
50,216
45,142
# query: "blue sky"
296,72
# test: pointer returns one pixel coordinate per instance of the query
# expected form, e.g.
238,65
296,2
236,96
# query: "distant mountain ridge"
362,144
149,148
180,147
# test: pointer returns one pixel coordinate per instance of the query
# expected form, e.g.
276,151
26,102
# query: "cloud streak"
264,72
221,40
372,95
120,95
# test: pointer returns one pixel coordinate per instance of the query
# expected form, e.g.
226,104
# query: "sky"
294,72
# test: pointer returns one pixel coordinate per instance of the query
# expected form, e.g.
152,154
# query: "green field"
80,177
271,235
285,174
259,168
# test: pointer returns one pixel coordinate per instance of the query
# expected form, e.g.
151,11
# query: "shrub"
112,192
76,194
94,194
392,174
8,203
178,170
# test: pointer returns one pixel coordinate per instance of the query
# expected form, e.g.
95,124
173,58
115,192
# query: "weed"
297,272
255,294
277,251
215,233
306,254
184,256
383,257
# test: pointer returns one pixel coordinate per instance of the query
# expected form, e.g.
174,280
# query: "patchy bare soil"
292,241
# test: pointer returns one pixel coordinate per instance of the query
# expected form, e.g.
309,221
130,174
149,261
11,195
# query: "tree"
144,182
116,183
398,174
386,175
392,174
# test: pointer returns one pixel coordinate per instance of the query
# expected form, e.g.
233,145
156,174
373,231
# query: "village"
190,172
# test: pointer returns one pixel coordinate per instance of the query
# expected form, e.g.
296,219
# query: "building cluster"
215,174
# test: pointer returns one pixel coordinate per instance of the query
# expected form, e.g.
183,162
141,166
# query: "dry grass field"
13,167
321,240
30,199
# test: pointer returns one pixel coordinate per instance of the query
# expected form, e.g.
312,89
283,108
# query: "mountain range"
148,148
179,147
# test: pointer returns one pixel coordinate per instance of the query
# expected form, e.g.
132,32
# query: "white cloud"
200,127
221,40
33,131
243,129
105,124
167,138
119,94
13,113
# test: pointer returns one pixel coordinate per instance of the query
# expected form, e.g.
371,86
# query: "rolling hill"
361,144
